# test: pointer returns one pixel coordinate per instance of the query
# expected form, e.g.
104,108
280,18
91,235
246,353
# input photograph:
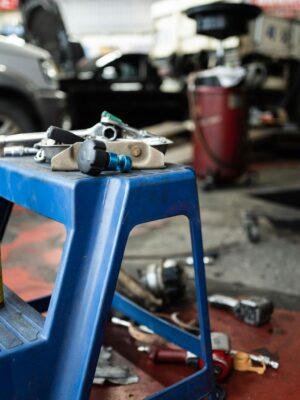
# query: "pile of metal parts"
159,284
225,359
110,145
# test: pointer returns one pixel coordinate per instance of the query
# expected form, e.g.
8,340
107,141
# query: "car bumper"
51,105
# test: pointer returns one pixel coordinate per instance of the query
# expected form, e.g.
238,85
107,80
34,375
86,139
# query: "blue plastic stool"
56,360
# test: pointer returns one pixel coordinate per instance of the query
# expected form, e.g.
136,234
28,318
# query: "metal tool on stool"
93,159
113,128
62,149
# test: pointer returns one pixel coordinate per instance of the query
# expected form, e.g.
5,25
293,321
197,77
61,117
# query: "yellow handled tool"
242,362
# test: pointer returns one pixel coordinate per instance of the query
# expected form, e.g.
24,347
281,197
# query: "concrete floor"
271,266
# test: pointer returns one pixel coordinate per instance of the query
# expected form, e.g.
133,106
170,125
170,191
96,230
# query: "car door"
124,74
120,86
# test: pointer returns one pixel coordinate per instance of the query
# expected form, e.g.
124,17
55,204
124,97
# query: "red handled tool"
222,358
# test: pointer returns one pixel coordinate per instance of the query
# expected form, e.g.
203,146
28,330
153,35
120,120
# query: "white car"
29,96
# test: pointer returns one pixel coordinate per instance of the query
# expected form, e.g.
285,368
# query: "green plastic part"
106,114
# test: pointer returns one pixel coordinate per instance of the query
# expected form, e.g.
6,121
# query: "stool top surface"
57,194
29,168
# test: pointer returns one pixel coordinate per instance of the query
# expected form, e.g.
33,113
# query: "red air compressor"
219,111
220,135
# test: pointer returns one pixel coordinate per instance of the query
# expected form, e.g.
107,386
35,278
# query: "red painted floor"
30,255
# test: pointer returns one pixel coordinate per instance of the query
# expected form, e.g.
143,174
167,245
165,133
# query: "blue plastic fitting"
120,163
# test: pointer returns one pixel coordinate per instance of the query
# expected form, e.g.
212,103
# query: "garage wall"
103,24
106,16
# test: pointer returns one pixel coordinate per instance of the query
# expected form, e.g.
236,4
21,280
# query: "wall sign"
282,8
8,5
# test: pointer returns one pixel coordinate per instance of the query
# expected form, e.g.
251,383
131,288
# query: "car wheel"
14,119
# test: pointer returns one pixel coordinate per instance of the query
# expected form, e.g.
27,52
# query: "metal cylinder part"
110,132
165,279
18,151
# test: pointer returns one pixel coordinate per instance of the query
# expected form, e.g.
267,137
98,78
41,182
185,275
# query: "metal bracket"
143,156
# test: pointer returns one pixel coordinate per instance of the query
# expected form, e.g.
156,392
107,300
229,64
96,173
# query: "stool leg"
203,381
193,214
200,385
5,211
81,302
200,283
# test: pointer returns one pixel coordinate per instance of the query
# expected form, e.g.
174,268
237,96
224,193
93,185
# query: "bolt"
136,151
93,159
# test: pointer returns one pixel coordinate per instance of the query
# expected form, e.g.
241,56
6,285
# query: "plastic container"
220,135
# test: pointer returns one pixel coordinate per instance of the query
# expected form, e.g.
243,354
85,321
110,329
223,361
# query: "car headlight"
49,69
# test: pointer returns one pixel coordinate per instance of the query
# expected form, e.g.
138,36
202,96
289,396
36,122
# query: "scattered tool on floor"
109,369
222,359
160,351
209,258
190,326
242,362
252,222
253,310
165,279
139,333
159,284
251,226
259,358
134,290
161,355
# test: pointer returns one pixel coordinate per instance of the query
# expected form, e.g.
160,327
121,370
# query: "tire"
14,118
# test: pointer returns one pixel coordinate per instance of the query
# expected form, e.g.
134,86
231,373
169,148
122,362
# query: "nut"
136,151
